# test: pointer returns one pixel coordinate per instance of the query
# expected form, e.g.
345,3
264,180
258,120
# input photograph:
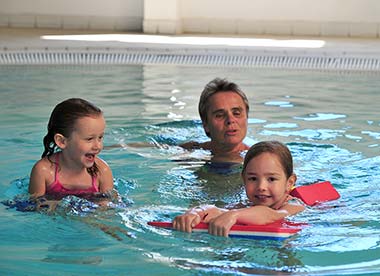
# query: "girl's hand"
221,225
212,213
46,206
193,217
187,221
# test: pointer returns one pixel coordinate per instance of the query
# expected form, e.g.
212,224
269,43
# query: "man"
223,108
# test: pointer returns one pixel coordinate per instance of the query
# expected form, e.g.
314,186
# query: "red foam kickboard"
316,193
278,230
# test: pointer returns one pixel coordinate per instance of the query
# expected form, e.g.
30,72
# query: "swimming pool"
329,120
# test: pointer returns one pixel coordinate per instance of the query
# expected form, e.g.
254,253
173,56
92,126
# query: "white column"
162,17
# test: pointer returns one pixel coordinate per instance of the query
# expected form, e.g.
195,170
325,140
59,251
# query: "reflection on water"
329,121
208,183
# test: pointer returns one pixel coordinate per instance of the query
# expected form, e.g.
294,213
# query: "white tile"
101,23
4,20
75,22
363,30
250,27
335,29
131,24
306,28
48,21
150,26
22,21
278,28
169,27
195,25
223,26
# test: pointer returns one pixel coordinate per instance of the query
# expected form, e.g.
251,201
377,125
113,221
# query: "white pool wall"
346,18
337,18
113,15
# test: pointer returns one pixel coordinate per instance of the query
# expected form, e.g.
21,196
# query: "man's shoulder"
191,145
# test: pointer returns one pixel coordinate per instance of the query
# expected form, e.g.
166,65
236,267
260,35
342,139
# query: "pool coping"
27,46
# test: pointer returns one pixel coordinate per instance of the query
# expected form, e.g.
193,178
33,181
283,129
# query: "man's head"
215,86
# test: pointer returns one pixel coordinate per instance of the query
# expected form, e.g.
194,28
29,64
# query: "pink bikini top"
57,188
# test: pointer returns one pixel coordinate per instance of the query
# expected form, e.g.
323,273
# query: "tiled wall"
116,15
342,18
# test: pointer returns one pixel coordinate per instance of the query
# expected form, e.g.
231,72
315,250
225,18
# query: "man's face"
226,118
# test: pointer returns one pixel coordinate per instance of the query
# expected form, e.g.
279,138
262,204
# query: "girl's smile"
86,141
265,181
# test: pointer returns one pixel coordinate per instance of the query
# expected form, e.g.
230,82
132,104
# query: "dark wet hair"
62,120
275,147
218,85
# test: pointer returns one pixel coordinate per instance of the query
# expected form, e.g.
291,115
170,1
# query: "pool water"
330,121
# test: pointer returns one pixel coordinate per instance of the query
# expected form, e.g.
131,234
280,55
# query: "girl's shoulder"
295,200
45,163
100,161
102,165
43,171
293,205
105,178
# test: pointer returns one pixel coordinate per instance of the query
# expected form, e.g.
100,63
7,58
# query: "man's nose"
230,118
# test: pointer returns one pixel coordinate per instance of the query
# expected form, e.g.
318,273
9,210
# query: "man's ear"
60,140
205,126
206,129
291,183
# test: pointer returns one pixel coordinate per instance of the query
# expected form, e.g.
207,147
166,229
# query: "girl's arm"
106,178
259,214
194,216
263,215
37,181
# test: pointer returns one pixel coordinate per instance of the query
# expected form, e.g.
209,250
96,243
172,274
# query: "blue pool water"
329,120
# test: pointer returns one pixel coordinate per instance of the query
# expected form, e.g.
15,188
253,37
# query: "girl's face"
266,182
86,141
